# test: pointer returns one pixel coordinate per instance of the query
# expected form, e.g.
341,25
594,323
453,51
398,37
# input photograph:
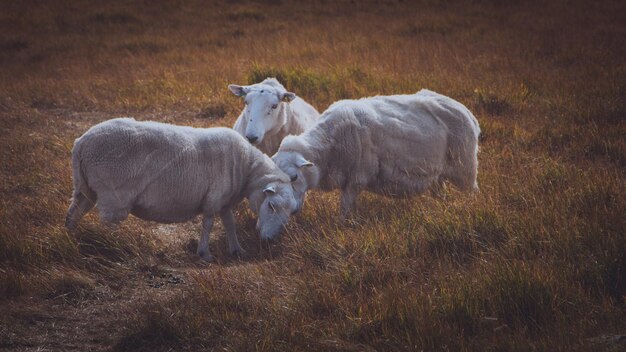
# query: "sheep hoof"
209,258
206,257
348,220
239,253
70,225
351,222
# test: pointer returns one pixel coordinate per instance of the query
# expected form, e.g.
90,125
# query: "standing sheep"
393,145
169,174
271,113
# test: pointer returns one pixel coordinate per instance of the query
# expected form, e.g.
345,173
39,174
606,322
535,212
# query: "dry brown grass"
536,261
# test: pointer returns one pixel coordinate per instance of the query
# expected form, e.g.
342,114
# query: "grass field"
535,262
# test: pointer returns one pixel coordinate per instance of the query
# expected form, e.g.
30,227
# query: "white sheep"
271,113
168,174
393,145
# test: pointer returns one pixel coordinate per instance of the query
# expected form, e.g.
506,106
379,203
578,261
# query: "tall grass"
535,261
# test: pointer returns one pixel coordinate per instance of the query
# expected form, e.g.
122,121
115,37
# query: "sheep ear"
239,91
270,189
302,162
288,96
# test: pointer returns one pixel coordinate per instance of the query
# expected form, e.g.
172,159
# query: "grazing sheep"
169,174
393,145
271,113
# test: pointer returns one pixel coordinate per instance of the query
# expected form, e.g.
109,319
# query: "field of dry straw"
535,262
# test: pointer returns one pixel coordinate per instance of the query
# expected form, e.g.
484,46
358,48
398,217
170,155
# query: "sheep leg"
113,209
228,220
463,175
203,245
79,207
438,189
348,201
112,217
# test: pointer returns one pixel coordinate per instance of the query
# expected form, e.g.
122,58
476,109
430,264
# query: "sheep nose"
252,139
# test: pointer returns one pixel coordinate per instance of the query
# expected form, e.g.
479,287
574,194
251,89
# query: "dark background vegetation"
534,262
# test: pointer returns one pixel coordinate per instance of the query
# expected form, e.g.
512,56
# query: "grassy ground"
536,261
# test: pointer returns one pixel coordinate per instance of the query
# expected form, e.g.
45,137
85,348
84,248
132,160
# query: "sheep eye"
274,106
294,177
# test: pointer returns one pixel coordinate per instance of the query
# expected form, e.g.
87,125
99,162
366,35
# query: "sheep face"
274,211
263,110
295,166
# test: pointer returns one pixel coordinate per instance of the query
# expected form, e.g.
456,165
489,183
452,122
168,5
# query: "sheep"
271,113
392,145
170,174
